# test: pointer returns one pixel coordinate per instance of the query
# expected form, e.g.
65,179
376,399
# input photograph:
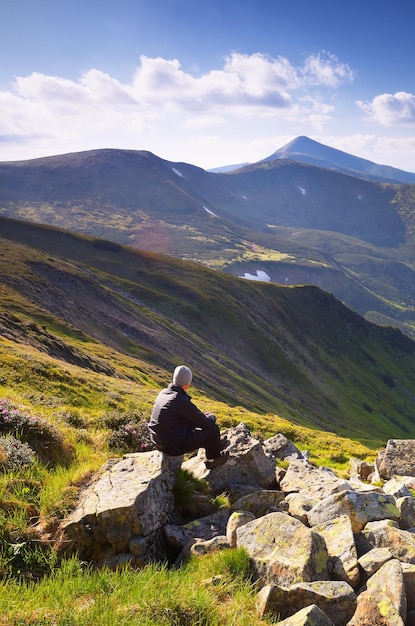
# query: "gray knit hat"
182,376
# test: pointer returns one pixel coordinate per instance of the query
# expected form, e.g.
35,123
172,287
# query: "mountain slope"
305,223
307,150
296,351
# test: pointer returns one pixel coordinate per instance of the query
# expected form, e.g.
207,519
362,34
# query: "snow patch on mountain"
260,275
177,172
209,211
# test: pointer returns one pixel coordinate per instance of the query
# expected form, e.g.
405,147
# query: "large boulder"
282,550
248,464
360,507
384,600
313,482
339,539
400,543
124,508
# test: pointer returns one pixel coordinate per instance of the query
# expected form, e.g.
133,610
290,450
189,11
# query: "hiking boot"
220,460
224,442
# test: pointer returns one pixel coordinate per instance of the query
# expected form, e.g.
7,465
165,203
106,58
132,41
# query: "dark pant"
208,438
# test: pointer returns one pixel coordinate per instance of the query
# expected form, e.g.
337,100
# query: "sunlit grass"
214,590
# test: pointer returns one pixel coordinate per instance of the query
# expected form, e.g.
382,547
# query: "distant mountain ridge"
305,150
292,222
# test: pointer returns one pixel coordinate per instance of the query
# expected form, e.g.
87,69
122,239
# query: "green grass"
90,333
209,591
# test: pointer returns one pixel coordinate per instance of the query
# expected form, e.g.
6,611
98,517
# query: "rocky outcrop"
248,464
323,550
123,509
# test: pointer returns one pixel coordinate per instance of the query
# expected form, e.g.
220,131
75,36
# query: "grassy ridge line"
295,351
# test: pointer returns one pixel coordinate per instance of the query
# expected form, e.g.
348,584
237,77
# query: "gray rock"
236,520
310,616
281,448
335,598
258,503
339,539
204,529
384,600
247,464
400,543
361,469
130,497
283,551
398,459
360,507
314,482
200,548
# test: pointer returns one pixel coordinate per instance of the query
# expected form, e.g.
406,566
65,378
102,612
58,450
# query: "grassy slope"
295,351
136,198
88,329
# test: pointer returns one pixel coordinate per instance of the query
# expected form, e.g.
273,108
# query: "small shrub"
41,436
74,419
14,454
115,419
131,437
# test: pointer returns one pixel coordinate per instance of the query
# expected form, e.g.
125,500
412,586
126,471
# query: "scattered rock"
398,459
324,551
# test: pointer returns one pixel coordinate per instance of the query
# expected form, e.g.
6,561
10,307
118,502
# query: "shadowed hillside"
294,221
297,351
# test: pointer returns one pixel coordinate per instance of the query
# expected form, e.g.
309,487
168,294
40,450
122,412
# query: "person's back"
177,426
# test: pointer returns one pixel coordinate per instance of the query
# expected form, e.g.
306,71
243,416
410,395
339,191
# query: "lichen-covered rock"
398,459
219,542
281,448
130,497
282,550
406,507
339,539
315,482
400,543
374,560
408,570
236,520
248,464
396,487
384,601
299,505
360,507
336,598
204,528
258,503
310,616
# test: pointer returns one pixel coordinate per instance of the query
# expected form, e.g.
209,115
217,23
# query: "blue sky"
207,82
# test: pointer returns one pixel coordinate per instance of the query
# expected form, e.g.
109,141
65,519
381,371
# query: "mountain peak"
306,150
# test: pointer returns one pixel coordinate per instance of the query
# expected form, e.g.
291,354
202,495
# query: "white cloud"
241,111
325,69
389,110
243,81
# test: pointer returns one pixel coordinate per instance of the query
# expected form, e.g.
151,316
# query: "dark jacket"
173,416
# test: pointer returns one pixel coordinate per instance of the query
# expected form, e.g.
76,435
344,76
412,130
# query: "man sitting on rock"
178,426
